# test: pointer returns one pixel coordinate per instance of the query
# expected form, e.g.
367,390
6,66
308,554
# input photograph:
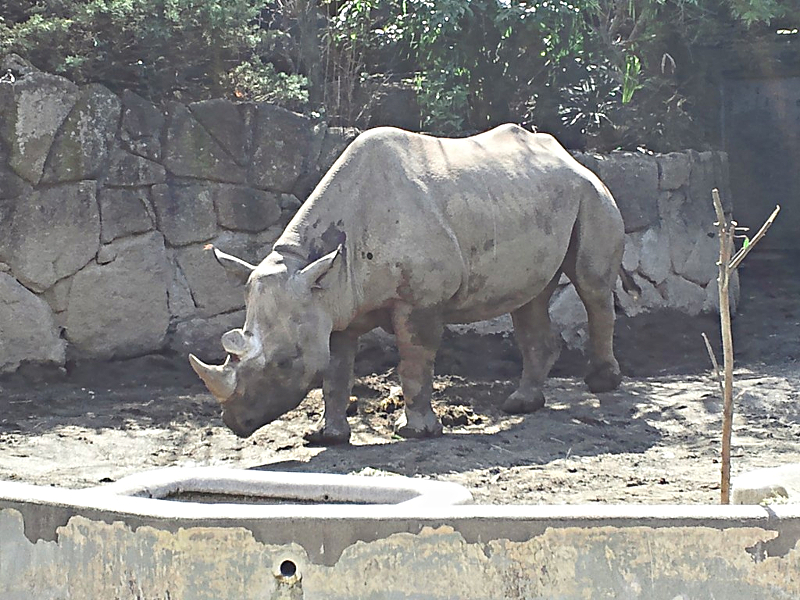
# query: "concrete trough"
237,486
65,544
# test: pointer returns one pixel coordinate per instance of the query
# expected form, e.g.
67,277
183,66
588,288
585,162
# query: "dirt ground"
655,440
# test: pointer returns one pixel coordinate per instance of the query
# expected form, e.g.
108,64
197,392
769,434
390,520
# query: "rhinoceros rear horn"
238,270
235,342
219,379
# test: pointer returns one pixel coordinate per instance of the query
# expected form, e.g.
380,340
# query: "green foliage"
258,81
602,73
186,49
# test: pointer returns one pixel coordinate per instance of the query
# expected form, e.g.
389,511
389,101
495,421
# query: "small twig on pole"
717,372
745,250
727,264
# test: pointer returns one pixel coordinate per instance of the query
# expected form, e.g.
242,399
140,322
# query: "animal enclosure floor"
655,440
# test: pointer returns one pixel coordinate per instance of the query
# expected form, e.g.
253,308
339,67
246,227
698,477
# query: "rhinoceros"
410,232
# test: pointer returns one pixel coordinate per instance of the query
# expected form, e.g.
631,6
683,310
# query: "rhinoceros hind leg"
540,347
592,264
418,333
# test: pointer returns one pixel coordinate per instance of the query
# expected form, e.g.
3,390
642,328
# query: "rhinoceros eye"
284,363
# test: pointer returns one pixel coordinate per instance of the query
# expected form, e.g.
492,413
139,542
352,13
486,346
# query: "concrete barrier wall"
67,544
107,202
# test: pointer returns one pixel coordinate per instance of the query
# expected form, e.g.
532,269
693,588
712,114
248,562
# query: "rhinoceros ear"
310,277
238,270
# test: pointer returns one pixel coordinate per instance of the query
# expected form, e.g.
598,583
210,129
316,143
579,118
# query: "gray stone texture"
333,144
141,127
229,124
692,235
212,291
11,184
50,233
189,150
244,209
81,146
28,333
280,148
654,261
633,181
33,110
120,309
124,211
683,295
129,170
185,213
673,170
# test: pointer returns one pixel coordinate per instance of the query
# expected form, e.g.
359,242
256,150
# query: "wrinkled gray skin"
410,232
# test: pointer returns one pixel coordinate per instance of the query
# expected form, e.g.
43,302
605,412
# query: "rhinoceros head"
283,347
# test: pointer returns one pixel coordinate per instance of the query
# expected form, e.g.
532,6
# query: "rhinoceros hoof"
431,428
520,403
327,437
603,378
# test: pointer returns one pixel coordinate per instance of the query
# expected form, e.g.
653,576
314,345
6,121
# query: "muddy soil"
655,440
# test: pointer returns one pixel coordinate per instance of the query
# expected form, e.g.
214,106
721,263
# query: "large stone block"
141,128
11,184
28,333
336,140
673,170
213,292
245,209
32,115
693,246
327,145
120,309
654,261
633,180
81,146
185,214
229,124
683,295
189,150
179,295
644,298
280,148
124,211
50,233
129,170
708,171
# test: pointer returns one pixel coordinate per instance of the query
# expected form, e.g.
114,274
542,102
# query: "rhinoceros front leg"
337,384
418,333
540,347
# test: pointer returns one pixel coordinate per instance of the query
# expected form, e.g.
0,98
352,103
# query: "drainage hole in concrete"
288,568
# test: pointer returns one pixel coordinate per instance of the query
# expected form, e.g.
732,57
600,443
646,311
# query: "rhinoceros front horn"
219,379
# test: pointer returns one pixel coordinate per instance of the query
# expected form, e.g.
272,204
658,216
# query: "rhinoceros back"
477,226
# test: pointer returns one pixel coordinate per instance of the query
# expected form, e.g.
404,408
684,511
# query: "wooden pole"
727,263
725,234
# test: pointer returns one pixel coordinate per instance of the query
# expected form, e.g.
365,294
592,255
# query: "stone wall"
107,202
